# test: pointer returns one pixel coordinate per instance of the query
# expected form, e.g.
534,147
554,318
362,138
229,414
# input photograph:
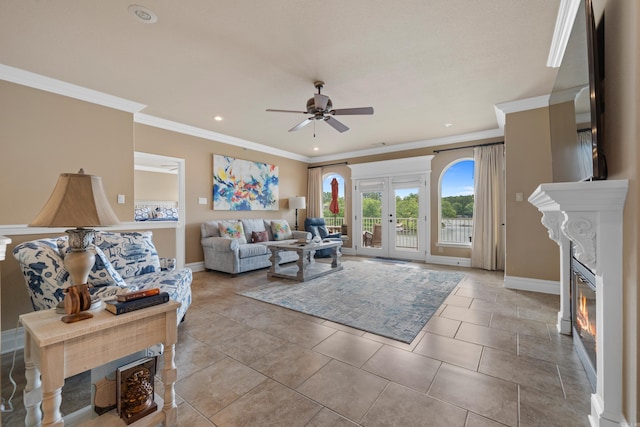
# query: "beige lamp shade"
297,202
78,200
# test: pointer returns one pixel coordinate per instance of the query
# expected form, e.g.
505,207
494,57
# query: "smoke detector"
143,14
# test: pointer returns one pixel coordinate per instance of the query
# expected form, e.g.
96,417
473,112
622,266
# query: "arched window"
332,219
456,203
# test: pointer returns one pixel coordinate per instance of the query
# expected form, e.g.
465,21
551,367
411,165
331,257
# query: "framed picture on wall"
243,185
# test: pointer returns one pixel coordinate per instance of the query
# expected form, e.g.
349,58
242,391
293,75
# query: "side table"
54,350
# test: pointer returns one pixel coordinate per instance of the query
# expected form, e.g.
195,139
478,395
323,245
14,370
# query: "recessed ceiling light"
143,14
217,118
448,125
315,148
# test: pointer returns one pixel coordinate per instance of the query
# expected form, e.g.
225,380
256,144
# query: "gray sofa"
237,255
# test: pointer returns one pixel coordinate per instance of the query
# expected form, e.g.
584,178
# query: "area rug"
394,301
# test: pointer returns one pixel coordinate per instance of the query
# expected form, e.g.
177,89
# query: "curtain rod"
469,146
330,164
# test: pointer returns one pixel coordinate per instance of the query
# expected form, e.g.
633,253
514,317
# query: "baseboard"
533,285
348,251
196,266
12,339
449,260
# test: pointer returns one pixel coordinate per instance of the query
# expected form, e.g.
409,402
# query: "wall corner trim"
505,108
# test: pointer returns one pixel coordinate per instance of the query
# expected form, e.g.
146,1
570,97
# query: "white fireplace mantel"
590,214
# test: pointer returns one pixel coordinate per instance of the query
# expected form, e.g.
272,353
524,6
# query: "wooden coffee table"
305,268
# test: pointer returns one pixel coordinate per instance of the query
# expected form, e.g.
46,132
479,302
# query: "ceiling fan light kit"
320,107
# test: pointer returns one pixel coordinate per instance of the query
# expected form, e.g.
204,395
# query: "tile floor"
489,357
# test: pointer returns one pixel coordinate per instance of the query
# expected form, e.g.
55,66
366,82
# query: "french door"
390,217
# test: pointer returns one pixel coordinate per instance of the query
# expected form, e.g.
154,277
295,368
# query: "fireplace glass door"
583,309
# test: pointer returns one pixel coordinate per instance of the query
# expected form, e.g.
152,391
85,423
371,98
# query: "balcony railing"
452,230
456,230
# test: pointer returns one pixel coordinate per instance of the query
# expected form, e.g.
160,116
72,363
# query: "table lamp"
296,203
78,200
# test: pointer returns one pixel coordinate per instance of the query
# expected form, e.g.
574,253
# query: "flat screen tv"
576,105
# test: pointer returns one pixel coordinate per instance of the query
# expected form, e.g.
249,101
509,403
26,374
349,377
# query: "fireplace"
585,220
583,317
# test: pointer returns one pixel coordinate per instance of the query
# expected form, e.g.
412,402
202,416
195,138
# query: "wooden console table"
305,268
58,350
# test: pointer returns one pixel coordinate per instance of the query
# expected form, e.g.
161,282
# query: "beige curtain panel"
488,250
314,192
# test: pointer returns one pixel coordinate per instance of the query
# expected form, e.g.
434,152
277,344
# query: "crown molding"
454,139
158,122
520,105
564,24
48,84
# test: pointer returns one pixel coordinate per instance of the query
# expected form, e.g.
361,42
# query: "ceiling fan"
321,108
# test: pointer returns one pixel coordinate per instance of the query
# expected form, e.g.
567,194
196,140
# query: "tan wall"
155,186
621,137
530,252
43,135
198,154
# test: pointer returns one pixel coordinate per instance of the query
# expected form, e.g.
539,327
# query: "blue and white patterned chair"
124,262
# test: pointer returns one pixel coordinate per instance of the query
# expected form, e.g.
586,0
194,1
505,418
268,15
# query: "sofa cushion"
250,250
210,229
251,225
232,230
131,254
259,236
280,229
175,282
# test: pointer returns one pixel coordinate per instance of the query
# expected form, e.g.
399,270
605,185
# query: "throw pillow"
232,230
281,229
259,236
131,254
141,214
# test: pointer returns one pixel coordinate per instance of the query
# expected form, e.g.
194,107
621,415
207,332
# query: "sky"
457,181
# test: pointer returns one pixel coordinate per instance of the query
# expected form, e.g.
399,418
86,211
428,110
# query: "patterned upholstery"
124,262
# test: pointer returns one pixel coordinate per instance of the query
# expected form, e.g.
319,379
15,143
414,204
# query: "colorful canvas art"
242,185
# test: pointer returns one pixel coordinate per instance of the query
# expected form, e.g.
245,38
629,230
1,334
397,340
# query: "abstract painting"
243,185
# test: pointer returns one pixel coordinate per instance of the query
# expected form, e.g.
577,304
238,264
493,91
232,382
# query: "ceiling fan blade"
352,111
286,111
320,101
336,124
300,125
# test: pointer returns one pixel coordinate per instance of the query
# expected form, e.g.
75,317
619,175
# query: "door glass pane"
371,215
405,228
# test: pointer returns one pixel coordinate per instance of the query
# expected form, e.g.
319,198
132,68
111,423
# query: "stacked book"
136,300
